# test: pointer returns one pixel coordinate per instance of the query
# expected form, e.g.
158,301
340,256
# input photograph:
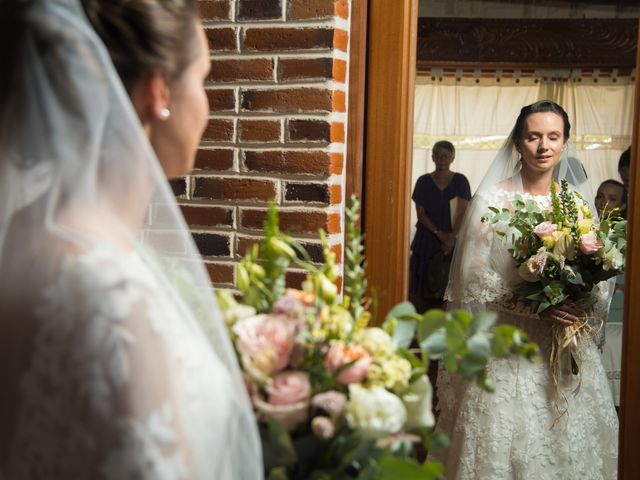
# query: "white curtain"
477,114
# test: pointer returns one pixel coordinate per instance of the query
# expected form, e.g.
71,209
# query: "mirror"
386,181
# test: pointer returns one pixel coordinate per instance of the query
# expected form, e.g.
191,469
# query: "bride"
528,428
115,360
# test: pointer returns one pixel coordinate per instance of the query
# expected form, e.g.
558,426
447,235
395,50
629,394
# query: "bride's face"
542,142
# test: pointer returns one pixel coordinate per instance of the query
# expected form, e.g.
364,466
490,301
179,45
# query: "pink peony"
265,336
340,354
545,229
290,416
589,243
289,387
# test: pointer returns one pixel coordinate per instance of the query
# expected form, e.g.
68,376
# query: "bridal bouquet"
561,253
336,397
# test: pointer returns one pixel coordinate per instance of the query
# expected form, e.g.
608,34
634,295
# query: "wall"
277,92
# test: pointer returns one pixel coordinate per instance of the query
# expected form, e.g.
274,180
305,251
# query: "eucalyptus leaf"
431,321
404,333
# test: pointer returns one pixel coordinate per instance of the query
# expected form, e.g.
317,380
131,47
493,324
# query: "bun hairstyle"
144,36
540,107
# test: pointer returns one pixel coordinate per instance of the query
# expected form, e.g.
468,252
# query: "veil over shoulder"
116,360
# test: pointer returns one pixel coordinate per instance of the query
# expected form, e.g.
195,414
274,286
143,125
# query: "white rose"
418,404
613,260
374,412
376,341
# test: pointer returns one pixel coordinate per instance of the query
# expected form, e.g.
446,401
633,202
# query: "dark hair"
625,159
446,144
540,107
620,185
145,36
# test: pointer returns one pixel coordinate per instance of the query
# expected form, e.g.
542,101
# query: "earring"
165,113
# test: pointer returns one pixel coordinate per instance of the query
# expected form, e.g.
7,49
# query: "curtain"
476,114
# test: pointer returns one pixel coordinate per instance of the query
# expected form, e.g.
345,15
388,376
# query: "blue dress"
436,204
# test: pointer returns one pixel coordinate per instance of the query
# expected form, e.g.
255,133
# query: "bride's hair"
540,107
146,36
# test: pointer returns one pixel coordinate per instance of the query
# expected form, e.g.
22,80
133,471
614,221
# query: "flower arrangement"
336,397
561,253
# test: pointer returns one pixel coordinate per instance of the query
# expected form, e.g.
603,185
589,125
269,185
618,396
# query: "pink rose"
340,354
289,387
589,243
332,402
545,229
290,306
266,336
290,416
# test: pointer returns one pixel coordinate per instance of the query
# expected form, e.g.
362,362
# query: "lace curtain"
476,113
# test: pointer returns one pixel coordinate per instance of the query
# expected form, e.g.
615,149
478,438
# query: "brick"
278,39
314,250
234,189
309,9
221,39
307,192
221,100
241,70
259,9
292,100
213,244
208,216
337,132
296,69
293,222
342,8
337,164
294,162
309,130
341,40
214,159
179,186
219,130
336,194
337,251
339,101
340,71
214,10
258,130
294,279
221,273
244,243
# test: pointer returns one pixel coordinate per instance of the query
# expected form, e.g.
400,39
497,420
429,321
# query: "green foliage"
355,281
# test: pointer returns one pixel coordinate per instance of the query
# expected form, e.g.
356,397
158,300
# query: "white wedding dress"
120,382
518,432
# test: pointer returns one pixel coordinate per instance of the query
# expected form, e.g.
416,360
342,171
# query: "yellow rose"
548,242
584,226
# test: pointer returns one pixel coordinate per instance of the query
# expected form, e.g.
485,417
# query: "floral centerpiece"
562,255
335,396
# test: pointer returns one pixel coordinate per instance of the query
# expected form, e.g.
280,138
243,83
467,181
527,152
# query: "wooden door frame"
391,64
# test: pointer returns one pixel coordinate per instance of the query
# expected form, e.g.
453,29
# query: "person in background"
441,198
611,195
116,362
624,165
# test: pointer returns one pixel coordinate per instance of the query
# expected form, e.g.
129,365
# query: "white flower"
238,312
375,412
376,341
418,404
613,259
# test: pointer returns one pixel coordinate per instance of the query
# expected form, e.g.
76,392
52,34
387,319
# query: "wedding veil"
77,170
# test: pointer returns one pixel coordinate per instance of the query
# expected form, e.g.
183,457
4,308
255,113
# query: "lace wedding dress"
519,432
121,383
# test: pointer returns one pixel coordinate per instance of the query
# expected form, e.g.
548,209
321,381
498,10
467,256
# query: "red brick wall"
277,92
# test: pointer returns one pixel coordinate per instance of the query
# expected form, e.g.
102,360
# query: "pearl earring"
165,113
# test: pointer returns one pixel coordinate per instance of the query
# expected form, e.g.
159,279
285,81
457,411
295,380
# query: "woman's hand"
565,314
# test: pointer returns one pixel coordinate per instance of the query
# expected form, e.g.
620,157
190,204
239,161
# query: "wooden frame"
389,129
389,126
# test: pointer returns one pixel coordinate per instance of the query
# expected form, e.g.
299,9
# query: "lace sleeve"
106,372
